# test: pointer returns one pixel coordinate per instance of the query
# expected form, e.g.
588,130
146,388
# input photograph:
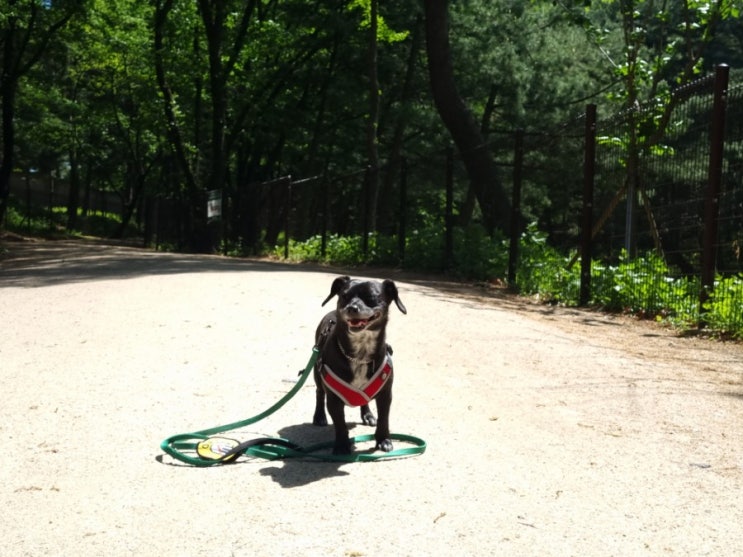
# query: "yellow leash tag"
215,448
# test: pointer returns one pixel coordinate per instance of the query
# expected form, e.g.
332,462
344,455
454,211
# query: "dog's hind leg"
367,416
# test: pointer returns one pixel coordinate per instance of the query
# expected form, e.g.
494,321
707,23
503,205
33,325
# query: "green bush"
342,250
543,271
477,255
642,286
723,311
424,249
645,286
42,222
38,223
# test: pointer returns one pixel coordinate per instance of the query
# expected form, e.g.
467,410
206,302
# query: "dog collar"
355,396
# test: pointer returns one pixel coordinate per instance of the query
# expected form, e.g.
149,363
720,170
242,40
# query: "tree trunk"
460,122
6,164
8,84
317,130
387,211
175,137
373,122
73,197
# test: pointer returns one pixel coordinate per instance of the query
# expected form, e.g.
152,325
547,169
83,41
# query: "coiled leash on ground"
207,450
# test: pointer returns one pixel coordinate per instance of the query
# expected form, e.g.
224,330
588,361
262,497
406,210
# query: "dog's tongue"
357,322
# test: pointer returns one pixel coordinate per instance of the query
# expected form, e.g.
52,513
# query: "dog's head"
364,304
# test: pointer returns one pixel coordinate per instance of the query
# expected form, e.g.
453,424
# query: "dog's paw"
385,445
369,419
343,447
320,419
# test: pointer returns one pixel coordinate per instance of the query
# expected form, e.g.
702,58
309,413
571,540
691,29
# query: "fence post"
287,222
27,218
515,228
712,197
589,170
403,209
325,214
449,214
365,217
51,201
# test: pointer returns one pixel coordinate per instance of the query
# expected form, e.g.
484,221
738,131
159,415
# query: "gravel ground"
550,431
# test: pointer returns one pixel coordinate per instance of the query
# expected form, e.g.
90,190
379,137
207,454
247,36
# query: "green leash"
205,450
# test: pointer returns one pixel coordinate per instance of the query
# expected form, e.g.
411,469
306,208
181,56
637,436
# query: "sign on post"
213,205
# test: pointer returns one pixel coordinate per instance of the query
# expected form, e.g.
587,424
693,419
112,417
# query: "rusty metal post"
515,228
712,198
589,170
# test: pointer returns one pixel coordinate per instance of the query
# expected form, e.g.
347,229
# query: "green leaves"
644,286
543,271
384,33
724,307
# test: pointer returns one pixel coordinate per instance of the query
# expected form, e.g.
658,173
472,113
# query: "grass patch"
46,223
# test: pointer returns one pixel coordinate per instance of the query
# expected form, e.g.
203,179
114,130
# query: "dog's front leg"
319,417
382,433
336,409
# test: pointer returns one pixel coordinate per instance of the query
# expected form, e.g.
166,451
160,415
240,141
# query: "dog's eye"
370,300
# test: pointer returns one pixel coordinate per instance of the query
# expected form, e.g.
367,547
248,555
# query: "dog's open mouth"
359,324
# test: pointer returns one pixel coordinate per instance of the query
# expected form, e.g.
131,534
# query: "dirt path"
550,431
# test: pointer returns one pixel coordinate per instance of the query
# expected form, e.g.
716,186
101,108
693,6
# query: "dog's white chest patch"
363,347
360,372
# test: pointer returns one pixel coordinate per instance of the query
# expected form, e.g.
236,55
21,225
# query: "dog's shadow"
297,472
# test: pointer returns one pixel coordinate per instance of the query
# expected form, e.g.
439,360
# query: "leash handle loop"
176,444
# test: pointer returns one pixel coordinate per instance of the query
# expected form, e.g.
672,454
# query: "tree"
27,28
377,31
460,121
250,64
525,65
106,80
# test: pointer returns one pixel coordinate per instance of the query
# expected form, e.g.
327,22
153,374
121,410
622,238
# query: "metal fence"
679,196
676,198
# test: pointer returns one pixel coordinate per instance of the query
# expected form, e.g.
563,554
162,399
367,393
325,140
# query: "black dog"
354,366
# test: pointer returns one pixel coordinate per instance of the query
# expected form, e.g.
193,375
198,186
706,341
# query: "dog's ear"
338,285
389,289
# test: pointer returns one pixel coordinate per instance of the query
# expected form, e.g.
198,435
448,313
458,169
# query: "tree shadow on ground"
32,263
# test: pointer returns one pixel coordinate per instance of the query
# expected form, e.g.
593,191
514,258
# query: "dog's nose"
352,308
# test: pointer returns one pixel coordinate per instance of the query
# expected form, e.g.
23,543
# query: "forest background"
167,104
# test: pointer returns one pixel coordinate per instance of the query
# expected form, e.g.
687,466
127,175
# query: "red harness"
355,396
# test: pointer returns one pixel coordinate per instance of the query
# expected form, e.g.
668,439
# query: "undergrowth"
644,286
53,223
